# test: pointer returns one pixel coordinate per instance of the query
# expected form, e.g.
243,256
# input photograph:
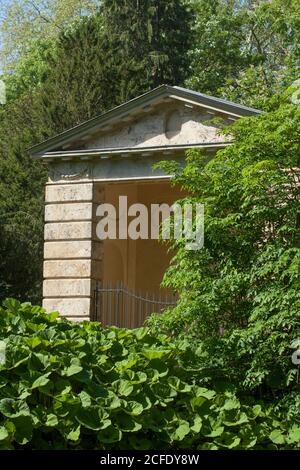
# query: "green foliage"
240,294
218,51
83,386
30,72
22,181
26,21
79,386
43,98
273,41
79,85
245,51
147,43
64,76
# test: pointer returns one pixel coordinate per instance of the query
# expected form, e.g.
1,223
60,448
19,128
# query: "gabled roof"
156,95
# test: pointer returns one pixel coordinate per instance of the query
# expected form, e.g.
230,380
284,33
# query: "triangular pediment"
168,124
166,116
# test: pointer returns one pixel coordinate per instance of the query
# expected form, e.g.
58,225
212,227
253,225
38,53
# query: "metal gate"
117,305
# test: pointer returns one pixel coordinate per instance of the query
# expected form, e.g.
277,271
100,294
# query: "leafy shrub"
70,385
240,295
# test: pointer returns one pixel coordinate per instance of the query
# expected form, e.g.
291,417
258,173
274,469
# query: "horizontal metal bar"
135,296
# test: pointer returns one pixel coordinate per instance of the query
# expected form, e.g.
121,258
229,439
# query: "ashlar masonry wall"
72,254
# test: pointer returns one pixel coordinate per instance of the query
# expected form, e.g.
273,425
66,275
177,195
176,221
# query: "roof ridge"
215,98
115,113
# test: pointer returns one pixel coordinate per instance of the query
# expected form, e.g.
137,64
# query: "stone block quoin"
72,257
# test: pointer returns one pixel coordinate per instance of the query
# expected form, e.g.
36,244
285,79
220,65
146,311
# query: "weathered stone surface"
67,212
68,230
67,268
119,168
66,287
69,192
79,307
66,250
75,249
169,125
69,172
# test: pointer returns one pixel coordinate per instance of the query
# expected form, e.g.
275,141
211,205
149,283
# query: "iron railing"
115,304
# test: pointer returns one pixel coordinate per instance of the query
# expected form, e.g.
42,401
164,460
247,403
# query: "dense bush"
240,294
65,385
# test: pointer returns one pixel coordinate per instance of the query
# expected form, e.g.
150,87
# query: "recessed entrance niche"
139,264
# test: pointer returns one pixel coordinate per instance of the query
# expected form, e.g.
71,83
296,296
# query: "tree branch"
44,18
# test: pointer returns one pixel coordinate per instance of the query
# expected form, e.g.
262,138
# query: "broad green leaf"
123,388
94,418
23,432
257,411
41,381
179,385
228,440
72,370
277,437
13,408
74,434
52,420
205,393
126,363
134,408
66,404
231,404
155,353
127,423
182,431
157,368
197,425
85,399
3,433
216,432
240,419
109,435
294,434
